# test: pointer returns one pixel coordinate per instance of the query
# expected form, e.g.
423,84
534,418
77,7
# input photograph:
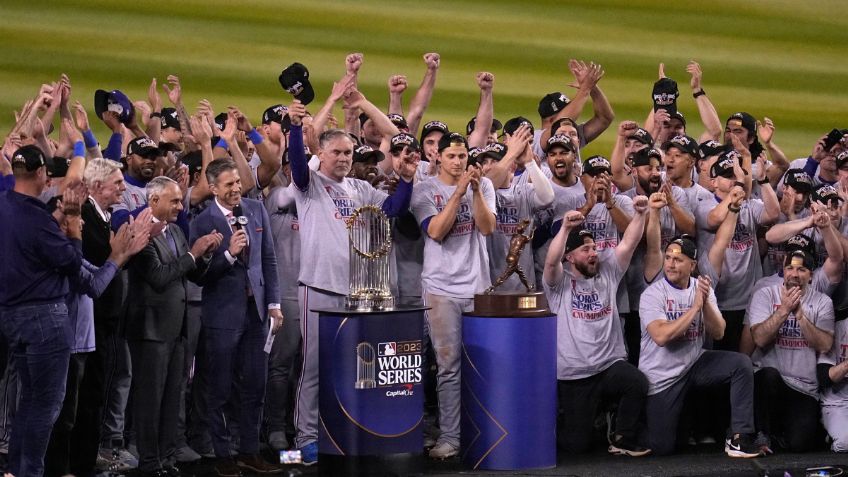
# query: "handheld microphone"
240,219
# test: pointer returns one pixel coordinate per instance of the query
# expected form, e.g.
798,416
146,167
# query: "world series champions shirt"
589,334
323,210
458,265
662,300
742,265
790,353
837,395
514,204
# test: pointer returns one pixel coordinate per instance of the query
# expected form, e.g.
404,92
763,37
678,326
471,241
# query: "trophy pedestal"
512,304
371,396
509,395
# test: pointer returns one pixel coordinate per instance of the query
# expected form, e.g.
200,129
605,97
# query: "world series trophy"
369,231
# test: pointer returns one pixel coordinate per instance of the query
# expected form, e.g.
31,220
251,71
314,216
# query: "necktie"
172,244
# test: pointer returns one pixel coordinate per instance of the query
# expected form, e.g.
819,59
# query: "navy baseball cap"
684,143
115,101
643,156
295,80
577,238
452,139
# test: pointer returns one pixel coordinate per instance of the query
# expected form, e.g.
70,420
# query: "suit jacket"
225,286
108,307
156,298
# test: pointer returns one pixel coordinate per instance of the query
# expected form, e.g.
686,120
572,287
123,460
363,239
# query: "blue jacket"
225,286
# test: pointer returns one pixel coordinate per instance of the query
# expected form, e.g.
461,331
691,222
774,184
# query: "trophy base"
511,304
369,303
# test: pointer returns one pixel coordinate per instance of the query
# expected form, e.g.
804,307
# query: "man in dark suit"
156,310
106,185
240,294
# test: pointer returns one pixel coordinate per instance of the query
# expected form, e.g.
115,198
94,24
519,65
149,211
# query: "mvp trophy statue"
369,230
527,303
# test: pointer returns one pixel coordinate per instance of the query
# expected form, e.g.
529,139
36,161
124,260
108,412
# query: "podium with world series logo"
371,396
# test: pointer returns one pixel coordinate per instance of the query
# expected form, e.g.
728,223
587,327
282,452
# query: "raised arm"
725,231
684,221
771,206
709,116
422,97
203,136
603,114
585,78
553,260
834,264
485,110
484,215
397,85
516,144
779,162
779,233
319,121
620,174
653,237
633,235
297,155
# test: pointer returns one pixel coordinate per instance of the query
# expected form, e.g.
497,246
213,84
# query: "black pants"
712,368
156,399
782,412
58,458
732,332
632,336
579,400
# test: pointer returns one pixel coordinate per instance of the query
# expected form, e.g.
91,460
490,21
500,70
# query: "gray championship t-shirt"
323,210
790,353
458,265
563,197
589,334
286,229
635,277
837,395
513,205
742,264
606,235
665,365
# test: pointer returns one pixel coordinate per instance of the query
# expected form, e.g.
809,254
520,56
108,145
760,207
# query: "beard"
650,186
588,270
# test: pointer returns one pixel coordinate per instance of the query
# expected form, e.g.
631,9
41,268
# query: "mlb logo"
387,349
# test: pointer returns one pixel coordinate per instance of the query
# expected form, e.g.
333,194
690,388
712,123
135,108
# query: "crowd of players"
157,292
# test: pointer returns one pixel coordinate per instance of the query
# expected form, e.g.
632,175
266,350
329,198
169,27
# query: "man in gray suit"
156,310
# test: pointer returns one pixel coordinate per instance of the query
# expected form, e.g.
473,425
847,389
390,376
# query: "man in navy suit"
240,294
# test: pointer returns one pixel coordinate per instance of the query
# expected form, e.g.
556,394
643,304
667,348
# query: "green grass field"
778,58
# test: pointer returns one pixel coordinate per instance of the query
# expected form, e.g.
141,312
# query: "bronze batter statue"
516,245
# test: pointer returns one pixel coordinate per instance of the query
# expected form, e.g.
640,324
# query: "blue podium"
508,391
371,396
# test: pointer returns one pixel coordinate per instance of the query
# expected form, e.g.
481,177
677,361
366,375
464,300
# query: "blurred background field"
778,58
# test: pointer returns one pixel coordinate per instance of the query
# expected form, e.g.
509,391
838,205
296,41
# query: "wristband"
90,140
157,114
733,209
255,137
740,184
222,144
79,149
763,181
699,93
